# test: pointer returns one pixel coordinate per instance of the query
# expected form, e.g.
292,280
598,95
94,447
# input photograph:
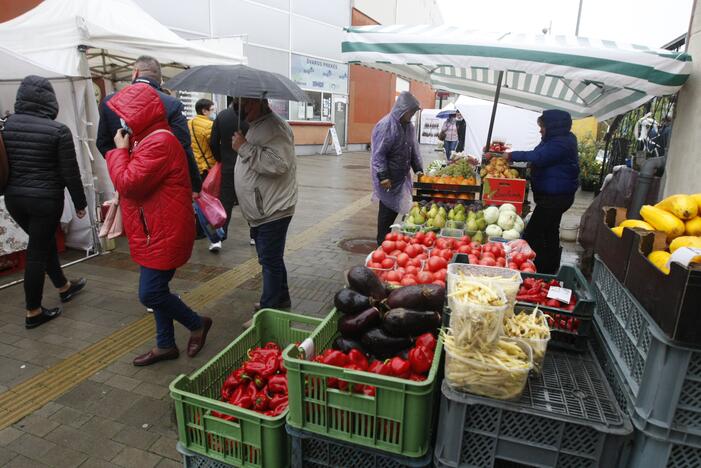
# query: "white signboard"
333,136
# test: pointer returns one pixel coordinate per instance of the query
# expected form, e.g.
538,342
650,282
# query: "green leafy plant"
589,167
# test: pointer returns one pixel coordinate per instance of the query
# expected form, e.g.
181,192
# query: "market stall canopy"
112,32
579,75
15,66
238,81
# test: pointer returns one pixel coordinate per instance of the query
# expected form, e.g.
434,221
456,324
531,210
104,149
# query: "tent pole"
494,110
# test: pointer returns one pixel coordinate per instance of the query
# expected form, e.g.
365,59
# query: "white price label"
561,294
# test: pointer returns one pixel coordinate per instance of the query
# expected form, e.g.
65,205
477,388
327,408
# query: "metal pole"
87,257
579,17
494,109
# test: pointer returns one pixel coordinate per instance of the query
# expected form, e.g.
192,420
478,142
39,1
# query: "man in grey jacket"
265,179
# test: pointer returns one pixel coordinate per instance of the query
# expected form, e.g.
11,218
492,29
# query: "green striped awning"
580,75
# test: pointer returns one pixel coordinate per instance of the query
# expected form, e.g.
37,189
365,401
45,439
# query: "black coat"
40,151
225,125
461,126
109,124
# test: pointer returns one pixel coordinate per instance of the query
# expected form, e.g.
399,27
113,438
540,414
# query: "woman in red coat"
149,170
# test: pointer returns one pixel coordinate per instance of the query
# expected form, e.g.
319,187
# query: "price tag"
685,255
561,294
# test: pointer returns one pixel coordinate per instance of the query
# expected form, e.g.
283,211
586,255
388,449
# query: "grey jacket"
265,175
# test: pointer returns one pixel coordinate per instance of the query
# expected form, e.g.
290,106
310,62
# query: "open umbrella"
239,81
447,111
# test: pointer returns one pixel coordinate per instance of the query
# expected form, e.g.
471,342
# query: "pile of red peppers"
260,384
536,291
414,367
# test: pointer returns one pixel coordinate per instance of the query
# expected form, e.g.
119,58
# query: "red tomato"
444,243
401,271
374,265
488,255
425,277
411,270
431,235
378,255
464,249
429,241
501,262
408,281
412,250
401,245
416,262
420,236
422,256
388,263
392,276
518,258
447,254
382,275
465,239
473,259
402,259
389,246
392,236
436,263
395,253
513,266
439,283
440,274
488,261
476,246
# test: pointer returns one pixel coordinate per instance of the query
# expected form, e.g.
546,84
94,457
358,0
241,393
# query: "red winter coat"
153,182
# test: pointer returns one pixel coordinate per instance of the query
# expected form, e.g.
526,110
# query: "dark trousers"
39,218
227,197
270,245
385,219
543,230
155,294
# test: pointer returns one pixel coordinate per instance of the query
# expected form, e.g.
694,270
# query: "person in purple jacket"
554,179
395,152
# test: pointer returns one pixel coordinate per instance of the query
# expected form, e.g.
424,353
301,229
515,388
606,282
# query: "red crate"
60,240
12,263
504,190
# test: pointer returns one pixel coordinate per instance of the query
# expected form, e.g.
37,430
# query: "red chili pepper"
277,400
426,341
400,367
420,360
335,358
278,384
272,345
356,357
260,403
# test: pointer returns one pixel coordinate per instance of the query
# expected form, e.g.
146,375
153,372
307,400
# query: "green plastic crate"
254,440
398,419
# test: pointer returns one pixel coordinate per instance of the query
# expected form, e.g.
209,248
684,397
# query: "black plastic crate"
567,416
313,450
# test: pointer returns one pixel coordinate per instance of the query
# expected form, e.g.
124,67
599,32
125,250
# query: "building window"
318,108
280,107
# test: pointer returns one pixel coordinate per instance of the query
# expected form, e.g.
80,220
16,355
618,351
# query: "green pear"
471,215
459,217
410,220
471,225
460,207
419,219
433,212
479,237
442,211
451,214
481,224
439,221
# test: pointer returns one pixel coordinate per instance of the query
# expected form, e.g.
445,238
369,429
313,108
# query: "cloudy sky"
648,22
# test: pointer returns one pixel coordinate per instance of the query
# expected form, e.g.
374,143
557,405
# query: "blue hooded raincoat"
555,161
395,151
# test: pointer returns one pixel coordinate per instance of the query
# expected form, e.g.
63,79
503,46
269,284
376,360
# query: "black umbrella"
239,81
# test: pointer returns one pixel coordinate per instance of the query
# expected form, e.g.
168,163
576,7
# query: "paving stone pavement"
122,415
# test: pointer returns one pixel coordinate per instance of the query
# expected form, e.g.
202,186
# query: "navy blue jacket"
555,161
109,124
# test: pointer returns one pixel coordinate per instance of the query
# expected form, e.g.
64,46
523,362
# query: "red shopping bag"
212,183
212,209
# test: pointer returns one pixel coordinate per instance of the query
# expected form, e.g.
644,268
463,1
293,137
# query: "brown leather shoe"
194,345
153,357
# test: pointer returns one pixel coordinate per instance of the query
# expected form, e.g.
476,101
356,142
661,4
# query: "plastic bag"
212,209
212,183
112,226
213,234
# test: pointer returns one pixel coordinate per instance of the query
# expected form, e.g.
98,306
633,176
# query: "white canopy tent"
72,41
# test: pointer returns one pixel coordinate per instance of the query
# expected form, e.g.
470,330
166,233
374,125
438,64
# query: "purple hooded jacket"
395,151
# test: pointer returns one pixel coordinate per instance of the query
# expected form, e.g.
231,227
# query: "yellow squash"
693,227
618,231
659,258
636,223
681,206
685,241
663,221
697,199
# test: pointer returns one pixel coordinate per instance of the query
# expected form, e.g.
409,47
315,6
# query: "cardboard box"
674,300
614,251
504,190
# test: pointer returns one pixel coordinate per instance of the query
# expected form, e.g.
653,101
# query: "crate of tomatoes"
373,379
567,300
233,408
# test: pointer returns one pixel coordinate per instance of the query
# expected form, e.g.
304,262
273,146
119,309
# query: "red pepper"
245,402
420,360
281,365
271,366
375,367
332,382
280,409
250,390
272,345
355,388
277,400
278,384
335,358
260,403
426,341
262,354
356,357
253,368
369,390
259,382
400,367
226,392
416,377
226,417
237,394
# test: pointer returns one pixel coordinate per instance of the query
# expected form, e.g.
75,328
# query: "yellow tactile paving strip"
32,394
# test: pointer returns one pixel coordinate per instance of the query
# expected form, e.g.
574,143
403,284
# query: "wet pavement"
69,395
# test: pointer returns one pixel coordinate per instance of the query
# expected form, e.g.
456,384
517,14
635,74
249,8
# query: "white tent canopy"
580,75
114,32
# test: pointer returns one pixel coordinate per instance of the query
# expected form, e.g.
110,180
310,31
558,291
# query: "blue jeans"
449,147
155,294
270,246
